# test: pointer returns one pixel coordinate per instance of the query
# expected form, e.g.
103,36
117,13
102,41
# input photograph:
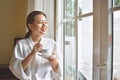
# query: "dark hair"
30,20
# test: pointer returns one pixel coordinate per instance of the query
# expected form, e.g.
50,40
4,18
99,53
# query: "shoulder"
22,41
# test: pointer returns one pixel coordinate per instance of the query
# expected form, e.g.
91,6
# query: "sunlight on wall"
12,24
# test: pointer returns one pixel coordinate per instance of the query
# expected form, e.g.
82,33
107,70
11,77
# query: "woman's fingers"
37,47
50,59
53,56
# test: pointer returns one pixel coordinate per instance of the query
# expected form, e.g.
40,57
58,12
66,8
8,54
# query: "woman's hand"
53,56
37,48
29,58
53,61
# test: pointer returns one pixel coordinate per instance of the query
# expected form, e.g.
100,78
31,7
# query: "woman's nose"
44,24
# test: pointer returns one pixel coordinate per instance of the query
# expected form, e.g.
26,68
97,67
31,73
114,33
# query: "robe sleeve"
59,74
15,64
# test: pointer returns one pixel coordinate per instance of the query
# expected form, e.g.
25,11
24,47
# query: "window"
116,39
77,39
70,50
83,9
85,27
116,3
85,47
69,9
116,45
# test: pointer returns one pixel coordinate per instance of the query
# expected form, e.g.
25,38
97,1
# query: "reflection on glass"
116,45
85,48
69,8
116,3
70,51
83,9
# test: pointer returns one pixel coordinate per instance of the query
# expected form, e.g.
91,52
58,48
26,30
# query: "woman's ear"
30,26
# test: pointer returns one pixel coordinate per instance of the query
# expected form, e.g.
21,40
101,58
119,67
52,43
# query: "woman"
26,63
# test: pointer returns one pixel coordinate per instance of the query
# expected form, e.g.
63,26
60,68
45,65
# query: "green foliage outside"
116,2
69,28
69,13
69,8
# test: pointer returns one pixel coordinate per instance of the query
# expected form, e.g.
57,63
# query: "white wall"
49,10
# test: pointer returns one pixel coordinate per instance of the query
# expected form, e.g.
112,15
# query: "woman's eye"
40,22
46,22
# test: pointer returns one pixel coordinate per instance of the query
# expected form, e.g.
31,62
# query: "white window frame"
60,20
102,21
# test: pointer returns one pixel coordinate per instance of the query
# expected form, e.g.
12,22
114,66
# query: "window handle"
102,65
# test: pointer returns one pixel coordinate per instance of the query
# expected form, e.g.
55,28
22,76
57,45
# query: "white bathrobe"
39,68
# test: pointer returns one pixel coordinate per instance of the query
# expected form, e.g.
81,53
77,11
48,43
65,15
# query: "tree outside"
116,2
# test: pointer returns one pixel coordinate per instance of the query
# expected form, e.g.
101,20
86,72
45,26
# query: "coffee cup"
45,51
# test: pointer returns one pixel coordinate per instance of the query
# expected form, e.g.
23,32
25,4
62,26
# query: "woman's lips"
43,30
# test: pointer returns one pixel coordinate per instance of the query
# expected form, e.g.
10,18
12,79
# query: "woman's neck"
36,38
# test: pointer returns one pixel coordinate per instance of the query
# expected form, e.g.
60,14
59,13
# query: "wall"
12,24
47,6
49,10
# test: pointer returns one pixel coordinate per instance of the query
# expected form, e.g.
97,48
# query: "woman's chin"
43,32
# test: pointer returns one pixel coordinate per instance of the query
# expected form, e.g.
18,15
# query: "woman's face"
39,26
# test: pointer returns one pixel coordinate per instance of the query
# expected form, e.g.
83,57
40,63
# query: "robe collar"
31,42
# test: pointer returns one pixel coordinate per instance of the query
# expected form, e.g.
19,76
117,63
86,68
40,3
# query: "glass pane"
83,9
69,8
85,48
70,51
116,3
116,45
69,28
